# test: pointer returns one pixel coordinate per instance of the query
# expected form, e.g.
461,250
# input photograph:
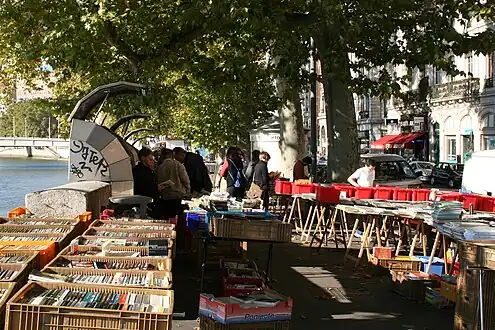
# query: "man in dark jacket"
144,177
255,158
196,169
262,178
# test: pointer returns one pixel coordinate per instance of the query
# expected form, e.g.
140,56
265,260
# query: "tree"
31,118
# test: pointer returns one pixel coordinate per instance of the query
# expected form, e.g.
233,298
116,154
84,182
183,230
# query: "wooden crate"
468,252
104,272
461,323
262,230
129,233
448,290
404,264
112,251
206,323
24,316
22,274
31,259
43,221
164,264
10,290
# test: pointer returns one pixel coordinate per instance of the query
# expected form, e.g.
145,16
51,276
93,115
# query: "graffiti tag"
91,161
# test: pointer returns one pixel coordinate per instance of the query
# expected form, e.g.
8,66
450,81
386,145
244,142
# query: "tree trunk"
292,139
343,142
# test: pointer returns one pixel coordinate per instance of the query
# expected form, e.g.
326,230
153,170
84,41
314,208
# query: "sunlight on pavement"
327,281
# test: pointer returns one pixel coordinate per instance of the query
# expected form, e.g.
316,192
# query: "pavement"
327,293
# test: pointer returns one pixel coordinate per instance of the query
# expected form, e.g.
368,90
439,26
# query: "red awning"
382,142
406,138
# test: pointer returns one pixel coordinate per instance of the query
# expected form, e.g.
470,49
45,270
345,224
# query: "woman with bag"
261,178
232,171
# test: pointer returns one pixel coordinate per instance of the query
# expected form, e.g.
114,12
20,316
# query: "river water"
19,176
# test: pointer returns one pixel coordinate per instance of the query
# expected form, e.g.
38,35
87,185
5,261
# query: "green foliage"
31,118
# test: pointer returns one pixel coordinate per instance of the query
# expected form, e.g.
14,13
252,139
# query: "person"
299,172
255,158
145,183
173,176
231,170
198,173
261,178
364,176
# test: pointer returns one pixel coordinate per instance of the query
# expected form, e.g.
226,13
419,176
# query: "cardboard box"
228,310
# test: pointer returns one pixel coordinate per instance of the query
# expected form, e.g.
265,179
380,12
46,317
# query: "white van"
479,176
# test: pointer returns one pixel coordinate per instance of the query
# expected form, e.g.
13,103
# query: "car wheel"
451,183
432,181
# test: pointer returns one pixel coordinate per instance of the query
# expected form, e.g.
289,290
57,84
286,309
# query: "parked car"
423,169
393,170
476,176
449,174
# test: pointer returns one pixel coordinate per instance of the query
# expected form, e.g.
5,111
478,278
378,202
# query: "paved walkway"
358,300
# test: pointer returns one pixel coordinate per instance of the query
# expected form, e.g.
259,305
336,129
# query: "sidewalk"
326,294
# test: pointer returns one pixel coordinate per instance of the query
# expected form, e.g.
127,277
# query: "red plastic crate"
420,195
364,193
487,204
298,189
283,187
471,199
347,188
451,197
382,252
383,193
230,289
402,195
329,195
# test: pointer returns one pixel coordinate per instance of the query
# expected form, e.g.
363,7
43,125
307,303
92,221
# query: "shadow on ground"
327,294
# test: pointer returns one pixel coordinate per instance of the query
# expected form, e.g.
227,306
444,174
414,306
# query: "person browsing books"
364,176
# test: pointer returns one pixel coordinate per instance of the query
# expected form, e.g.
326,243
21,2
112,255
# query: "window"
488,121
489,65
449,123
437,76
323,133
470,63
451,148
394,170
488,142
466,122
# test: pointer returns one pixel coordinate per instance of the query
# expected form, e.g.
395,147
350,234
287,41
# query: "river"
19,176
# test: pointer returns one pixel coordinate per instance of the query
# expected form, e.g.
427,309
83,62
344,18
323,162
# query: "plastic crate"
409,287
17,212
129,233
364,193
159,225
382,252
10,290
487,204
329,195
450,197
262,230
196,221
127,251
105,272
448,290
232,289
22,273
85,218
42,222
471,199
61,262
299,189
347,189
420,195
437,265
385,193
24,316
31,259
283,187
206,323
46,249
402,195
405,264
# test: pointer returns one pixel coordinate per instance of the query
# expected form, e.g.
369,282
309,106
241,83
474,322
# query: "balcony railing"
364,114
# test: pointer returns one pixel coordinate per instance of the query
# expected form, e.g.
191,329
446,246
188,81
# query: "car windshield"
394,170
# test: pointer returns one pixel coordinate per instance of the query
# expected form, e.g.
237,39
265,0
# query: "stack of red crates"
240,277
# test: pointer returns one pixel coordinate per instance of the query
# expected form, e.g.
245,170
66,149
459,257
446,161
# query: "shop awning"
406,138
382,142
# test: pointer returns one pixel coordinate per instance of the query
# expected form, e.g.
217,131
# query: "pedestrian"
364,176
261,178
173,176
145,183
232,171
196,169
255,158
299,171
